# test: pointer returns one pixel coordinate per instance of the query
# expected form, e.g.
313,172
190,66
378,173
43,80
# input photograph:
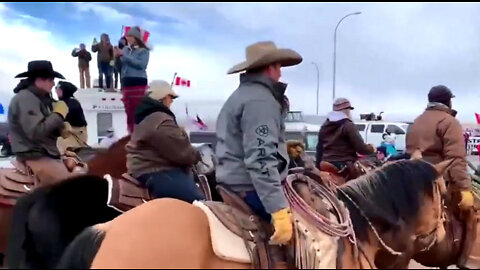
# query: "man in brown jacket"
84,57
104,60
339,141
439,136
159,153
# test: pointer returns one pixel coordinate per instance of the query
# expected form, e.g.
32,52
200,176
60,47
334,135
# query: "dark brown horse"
395,212
111,161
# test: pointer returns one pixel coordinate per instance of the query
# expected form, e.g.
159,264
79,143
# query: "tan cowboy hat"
264,53
159,89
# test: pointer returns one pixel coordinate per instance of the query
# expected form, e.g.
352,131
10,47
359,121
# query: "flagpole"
173,80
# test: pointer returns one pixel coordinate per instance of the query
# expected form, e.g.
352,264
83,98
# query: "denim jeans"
172,184
107,70
252,199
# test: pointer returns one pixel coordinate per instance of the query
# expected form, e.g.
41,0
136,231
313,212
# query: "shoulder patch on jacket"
262,130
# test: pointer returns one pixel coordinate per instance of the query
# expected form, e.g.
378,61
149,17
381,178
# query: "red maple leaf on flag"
182,82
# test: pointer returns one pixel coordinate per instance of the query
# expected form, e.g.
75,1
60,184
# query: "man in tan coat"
439,136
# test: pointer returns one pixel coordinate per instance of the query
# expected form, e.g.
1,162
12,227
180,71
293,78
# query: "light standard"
318,78
335,49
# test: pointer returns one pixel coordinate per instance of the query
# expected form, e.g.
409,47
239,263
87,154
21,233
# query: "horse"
394,209
111,160
47,219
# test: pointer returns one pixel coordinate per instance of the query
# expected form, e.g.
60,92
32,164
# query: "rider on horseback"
251,148
339,141
76,137
36,121
438,135
159,153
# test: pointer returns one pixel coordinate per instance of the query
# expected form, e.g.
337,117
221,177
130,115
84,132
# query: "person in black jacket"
75,135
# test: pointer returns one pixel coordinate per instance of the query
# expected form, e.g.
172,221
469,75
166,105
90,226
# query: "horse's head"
208,163
399,205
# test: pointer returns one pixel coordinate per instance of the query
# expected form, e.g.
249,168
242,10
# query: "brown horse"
112,161
395,212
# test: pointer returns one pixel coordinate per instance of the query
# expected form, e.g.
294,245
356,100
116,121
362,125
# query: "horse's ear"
443,166
417,154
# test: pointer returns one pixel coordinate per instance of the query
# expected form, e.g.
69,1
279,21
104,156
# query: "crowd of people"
127,62
251,148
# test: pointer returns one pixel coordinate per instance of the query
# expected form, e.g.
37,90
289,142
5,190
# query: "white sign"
107,107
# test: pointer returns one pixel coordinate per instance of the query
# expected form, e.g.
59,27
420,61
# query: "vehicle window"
360,127
289,135
395,129
104,122
312,140
377,128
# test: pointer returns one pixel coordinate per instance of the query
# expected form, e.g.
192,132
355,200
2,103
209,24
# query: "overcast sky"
387,58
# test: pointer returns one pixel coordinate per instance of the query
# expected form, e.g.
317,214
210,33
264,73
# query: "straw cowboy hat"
159,89
40,68
264,53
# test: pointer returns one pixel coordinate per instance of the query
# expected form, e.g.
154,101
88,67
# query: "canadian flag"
182,82
478,118
145,33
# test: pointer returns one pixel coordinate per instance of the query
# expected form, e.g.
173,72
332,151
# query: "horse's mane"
390,196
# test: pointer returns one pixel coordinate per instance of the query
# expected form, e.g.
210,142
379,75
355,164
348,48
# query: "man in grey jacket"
36,121
251,149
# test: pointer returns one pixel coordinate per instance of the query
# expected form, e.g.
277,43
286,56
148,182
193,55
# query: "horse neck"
112,162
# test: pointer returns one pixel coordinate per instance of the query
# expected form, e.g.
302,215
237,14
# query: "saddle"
73,163
15,182
240,219
126,193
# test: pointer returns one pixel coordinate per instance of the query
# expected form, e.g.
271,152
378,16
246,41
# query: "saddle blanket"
226,245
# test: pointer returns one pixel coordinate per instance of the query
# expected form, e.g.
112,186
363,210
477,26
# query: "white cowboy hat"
264,53
159,89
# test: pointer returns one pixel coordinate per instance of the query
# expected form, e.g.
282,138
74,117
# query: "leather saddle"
240,219
73,163
126,193
15,182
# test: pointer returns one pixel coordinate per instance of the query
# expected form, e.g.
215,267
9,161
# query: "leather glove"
282,222
61,108
467,200
66,130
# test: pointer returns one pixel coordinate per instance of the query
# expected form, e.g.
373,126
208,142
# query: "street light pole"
335,50
318,81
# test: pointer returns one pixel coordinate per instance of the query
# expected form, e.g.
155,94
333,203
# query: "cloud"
387,58
104,12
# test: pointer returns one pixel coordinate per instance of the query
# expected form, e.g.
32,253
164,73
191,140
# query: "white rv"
103,110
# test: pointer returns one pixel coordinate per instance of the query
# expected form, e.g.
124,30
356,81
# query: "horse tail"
19,238
82,250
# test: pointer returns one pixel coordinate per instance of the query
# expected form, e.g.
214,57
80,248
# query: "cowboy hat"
40,68
264,53
159,89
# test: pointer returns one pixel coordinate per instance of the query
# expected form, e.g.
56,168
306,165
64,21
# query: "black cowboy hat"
40,68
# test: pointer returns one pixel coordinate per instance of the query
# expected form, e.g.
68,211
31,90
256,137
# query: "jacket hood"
148,106
335,116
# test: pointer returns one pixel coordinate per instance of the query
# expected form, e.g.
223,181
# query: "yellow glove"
66,131
61,108
282,222
467,200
